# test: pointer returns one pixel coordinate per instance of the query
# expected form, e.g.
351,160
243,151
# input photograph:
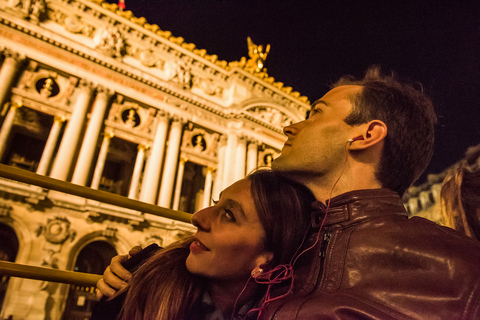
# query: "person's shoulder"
434,235
433,227
421,236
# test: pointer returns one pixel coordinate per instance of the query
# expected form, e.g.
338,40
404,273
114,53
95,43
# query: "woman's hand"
115,277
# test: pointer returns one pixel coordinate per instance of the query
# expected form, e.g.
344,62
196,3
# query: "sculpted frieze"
180,74
208,86
110,41
204,115
34,10
131,115
75,24
199,141
147,57
5,210
270,116
110,232
46,84
57,230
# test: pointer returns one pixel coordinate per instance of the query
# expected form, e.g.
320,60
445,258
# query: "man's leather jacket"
372,262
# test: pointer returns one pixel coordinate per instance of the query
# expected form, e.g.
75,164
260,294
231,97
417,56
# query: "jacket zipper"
323,253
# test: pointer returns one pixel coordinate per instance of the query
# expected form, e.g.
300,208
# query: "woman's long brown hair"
163,288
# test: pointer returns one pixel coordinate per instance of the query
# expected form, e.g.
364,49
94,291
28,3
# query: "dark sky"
314,42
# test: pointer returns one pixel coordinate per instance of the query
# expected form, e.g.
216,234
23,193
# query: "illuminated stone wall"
95,96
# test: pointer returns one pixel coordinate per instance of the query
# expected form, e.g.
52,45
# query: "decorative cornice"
112,67
268,87
179,44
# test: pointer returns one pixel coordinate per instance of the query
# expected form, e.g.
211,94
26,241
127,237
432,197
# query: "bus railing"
48,274
24,176
63,276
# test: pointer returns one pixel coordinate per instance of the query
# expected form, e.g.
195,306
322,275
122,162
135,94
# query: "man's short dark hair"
410,119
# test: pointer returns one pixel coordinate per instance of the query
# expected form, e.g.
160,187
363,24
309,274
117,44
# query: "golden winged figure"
257,55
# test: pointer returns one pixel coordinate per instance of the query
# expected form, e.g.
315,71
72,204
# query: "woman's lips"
198,247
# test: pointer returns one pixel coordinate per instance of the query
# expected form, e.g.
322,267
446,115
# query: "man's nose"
291,130
202,219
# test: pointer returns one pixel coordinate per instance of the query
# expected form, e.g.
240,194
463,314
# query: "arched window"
93,258
8,252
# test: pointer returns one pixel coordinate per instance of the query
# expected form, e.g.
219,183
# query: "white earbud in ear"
256,272
355,139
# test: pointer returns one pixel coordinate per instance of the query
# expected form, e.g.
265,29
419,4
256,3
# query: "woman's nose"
202,219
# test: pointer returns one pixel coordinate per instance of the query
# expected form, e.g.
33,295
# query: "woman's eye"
229,215
214,201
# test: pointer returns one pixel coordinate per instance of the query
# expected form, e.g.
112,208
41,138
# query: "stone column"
240,155
71,137
207,193
102,157
95,124
229,160
168,178
10,67
137,172
52,140
7,127
178,185
252,156
153,168
217,185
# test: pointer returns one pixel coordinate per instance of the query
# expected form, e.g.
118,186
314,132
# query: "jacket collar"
356,206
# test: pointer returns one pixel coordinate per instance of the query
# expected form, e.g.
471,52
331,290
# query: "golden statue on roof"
257,56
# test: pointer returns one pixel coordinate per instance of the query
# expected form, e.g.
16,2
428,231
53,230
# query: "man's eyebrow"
319,102
314,105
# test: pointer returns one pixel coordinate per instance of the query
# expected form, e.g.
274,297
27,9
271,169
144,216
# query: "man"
363,144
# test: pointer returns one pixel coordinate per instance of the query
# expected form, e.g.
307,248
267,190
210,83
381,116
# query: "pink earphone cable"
285,271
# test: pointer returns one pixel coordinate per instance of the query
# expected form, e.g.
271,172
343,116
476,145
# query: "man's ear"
371,134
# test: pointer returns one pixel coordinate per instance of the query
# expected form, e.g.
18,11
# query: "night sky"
314,42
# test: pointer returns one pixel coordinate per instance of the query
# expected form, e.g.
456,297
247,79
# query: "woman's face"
230,238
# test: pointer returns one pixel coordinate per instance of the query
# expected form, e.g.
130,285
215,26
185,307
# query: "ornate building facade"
92,95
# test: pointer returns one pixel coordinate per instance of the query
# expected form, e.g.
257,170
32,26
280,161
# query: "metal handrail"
63,276
47,274
24,176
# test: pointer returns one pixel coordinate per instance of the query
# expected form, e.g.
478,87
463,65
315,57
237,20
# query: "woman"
257,225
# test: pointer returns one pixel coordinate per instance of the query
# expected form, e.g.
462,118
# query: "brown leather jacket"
372,262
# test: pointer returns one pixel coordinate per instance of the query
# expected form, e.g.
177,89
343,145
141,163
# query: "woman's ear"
264,258
371,134
262,263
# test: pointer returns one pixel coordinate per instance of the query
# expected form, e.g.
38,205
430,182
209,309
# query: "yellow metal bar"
47,274
24,176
